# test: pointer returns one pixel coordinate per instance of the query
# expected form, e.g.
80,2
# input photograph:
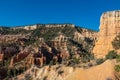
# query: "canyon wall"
109,28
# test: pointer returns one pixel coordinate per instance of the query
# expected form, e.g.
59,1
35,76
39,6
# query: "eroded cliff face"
109,28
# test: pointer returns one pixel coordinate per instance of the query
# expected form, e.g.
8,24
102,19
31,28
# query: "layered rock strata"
109,28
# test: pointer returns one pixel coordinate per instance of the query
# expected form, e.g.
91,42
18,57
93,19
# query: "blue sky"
84,13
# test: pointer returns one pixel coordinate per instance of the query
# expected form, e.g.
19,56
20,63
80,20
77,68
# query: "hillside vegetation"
20,48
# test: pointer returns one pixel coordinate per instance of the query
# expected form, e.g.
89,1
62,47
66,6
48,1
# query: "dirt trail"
101,72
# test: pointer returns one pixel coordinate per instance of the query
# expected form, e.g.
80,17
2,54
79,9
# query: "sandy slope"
100,72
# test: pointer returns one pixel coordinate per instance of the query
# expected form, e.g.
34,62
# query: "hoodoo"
109,28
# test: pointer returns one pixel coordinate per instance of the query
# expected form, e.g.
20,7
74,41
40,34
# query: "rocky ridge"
35,26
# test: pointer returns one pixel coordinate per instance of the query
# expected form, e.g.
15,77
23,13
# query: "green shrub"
111,55
118,58
85,60
86,57
75,60
28,77
117,68
116,42
99,61
52,62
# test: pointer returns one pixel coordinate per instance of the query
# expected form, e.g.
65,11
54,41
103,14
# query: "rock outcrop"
59,25
7,52
109,28
33,27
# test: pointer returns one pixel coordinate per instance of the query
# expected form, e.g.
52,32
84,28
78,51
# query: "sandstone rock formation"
8,38
7,52
109,28
59,25
32,27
